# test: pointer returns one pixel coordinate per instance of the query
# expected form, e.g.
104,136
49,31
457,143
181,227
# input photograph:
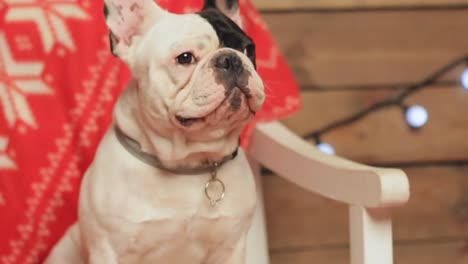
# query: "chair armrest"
293,158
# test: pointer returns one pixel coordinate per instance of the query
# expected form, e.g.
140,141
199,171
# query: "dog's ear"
229,7
128,19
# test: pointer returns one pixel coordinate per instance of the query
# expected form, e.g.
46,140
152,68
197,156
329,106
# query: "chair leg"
257,243
370,235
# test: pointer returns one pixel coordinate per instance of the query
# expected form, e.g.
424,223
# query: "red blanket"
58,83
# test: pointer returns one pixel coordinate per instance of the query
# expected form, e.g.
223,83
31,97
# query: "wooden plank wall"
288,5
347,55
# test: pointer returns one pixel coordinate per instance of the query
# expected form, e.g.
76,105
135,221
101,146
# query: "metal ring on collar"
214,201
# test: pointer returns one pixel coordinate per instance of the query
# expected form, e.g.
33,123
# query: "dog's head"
195,72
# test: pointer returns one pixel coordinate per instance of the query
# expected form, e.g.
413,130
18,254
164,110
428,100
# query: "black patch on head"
229,33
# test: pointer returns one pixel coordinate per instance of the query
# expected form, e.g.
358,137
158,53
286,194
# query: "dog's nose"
229,62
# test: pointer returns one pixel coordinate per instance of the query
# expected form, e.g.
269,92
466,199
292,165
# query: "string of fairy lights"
416,116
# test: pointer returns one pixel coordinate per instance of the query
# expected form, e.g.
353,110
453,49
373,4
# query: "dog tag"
214,191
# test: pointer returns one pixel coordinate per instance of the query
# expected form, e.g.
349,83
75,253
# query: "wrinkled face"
188,76
195,72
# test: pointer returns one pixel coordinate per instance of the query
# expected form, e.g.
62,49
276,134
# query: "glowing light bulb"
464,79
326,148
416,116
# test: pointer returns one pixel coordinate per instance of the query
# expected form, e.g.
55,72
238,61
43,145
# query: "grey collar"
134,148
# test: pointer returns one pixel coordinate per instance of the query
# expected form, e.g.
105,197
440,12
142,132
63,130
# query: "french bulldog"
168,183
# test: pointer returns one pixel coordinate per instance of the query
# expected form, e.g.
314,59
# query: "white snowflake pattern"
5,161
49,16
18,79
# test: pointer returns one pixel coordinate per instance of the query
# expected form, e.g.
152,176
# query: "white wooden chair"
369,191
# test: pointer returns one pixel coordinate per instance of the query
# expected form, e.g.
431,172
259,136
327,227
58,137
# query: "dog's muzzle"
231,72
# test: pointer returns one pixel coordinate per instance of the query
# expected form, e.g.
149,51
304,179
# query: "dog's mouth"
186,122
233,108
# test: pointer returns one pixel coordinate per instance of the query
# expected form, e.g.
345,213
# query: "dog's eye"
185,58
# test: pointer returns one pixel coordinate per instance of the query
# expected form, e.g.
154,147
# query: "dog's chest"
196,239
184,226
170,218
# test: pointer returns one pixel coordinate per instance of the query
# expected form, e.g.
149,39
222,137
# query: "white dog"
168,183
